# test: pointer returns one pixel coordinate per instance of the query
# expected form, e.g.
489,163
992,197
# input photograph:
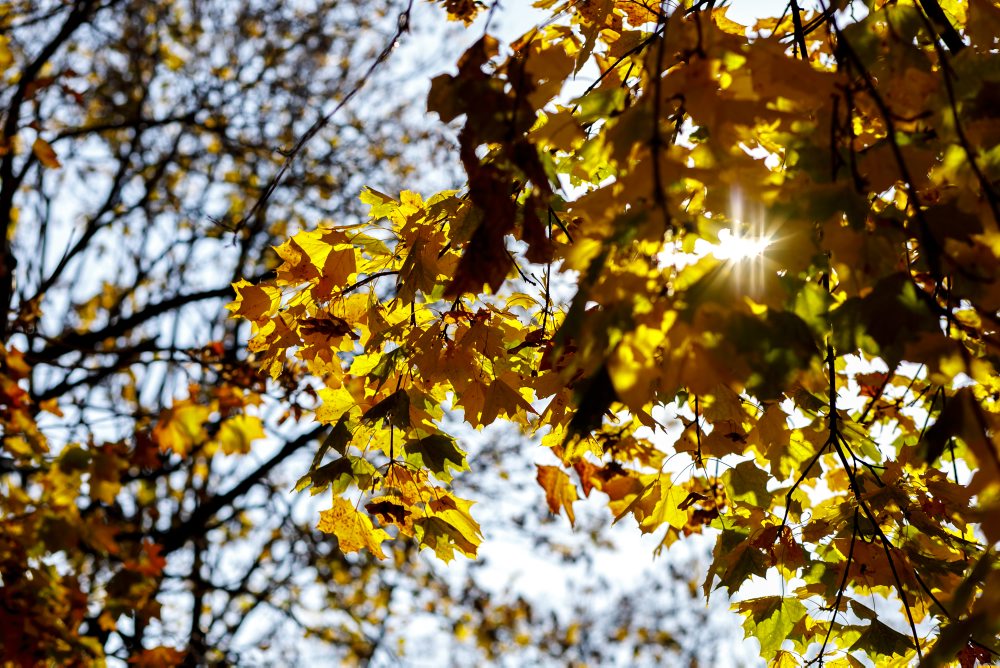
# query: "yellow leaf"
633,367
45,154
448,527
181,427
726,24
784,659
254,302
238,432
354,530
336,402
419,271
458,513
660,503
6,57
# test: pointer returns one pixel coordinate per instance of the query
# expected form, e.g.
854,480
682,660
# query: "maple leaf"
236,434
437,453
419,270
972,655
337,268
337,404
354,530
587,473
463,10
860,216
662,502
448,527
181,427
560,492
959,418
485,260
150,561
770,619
596,397
735,560
394,409
322,329
501,398
878,639
389,511
783,659
253,302
748,483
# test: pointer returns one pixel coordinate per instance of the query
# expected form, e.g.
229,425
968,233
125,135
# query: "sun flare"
734,246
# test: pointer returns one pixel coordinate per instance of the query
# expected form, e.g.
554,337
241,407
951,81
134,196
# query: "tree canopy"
729,280
152,153
781,239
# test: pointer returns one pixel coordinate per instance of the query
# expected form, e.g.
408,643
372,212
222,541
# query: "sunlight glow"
733,246
742,247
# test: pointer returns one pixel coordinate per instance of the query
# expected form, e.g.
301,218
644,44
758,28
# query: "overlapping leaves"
866,143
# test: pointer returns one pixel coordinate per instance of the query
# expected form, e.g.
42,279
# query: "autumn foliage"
140,519
826,407
730,280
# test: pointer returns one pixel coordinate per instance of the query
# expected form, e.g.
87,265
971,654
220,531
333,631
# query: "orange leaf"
45,154
501,398
158,657
560,492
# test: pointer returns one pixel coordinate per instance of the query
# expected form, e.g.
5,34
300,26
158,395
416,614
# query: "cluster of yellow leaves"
876,141
213,420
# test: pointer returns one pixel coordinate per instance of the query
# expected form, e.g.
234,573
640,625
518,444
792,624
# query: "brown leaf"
327,326
45,154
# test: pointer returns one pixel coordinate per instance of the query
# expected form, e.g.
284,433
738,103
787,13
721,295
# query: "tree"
151,154
833,376
136,138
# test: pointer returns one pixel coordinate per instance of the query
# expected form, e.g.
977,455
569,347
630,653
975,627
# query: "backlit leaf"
353,529
560,492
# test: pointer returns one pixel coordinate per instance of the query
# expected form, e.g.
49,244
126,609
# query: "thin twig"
402,26
842,588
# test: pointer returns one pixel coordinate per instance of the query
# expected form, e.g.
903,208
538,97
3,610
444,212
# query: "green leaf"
878,640
889,316
336,440
436,453
735,560
770,619
748,483
340,474
394,409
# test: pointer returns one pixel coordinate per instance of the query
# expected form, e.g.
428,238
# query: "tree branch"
175,538
9,184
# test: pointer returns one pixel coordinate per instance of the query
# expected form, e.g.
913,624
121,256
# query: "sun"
734,246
